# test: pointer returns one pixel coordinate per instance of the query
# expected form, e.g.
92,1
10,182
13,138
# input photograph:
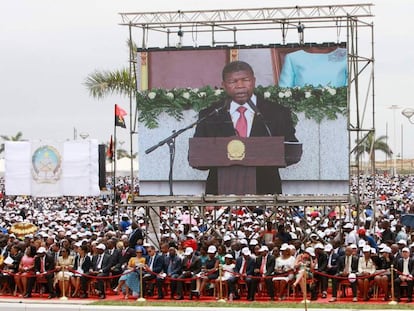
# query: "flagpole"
114,161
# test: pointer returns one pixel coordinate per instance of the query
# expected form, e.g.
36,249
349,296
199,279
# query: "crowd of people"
79,243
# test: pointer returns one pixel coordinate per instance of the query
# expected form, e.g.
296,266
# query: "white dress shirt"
249,114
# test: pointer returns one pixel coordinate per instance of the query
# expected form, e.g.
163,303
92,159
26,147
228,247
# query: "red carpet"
120,298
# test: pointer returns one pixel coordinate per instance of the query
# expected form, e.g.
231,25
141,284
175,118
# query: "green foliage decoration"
316,103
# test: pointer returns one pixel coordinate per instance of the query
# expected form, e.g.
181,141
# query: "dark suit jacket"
158,264
233,253
400,267
49,263
195,266
16,262
341,264
124,256
279,121
115,257
322,261
134,237
106,263
334,264
270,264
175,264
251,264
86,266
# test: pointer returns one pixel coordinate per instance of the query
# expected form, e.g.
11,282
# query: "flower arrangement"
316,103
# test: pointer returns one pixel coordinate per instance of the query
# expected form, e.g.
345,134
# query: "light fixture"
84,135
301,33
180,34
408,113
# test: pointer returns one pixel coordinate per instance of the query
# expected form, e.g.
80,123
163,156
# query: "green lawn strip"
275,305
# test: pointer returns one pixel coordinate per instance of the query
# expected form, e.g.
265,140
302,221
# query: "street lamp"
408,113
84,135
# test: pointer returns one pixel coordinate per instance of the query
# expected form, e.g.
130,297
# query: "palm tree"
368,144
103,83
17,137
122,153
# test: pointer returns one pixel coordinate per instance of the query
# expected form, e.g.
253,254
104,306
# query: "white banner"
17,168
47,169
80,168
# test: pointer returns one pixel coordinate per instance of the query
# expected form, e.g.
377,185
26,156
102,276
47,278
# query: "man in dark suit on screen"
244,114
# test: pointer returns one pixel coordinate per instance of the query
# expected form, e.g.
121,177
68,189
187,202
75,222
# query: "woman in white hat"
284,270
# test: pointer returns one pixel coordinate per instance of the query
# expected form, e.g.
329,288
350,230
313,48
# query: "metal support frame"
355,18
277,204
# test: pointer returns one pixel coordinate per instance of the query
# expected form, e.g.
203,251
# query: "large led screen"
309,82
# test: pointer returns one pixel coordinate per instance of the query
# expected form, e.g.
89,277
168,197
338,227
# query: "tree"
368,144
17,137
122,153
103,83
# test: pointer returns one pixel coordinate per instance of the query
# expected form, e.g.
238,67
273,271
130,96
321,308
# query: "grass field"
274,305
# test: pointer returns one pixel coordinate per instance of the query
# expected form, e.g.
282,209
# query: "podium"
236,159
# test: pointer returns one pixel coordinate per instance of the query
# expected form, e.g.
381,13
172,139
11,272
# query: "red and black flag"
119,116
110,150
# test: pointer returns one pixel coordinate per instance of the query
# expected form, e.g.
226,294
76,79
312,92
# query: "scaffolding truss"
355,18
245,18
237,21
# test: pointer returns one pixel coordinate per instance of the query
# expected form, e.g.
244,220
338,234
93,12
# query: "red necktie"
244,267
241,124
263,265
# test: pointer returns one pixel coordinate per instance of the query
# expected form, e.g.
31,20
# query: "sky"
48,48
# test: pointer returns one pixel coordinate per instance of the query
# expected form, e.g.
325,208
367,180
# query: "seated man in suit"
154,266
101,267
115,255
332,266
405,268
320,279
347,265
244,114
265,267
245,266
44,265
191,267
172,268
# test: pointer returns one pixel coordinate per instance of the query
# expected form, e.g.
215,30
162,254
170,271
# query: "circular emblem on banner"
236,150
46,164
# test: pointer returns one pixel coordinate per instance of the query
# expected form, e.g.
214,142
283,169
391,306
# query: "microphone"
213,112
259,114
226,104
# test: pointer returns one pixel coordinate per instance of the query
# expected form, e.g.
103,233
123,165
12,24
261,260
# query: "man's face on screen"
239,85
